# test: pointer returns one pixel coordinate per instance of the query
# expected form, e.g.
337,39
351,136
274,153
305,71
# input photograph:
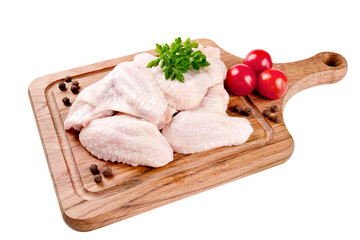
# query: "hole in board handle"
332,59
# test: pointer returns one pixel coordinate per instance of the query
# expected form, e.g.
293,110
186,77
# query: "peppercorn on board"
86,205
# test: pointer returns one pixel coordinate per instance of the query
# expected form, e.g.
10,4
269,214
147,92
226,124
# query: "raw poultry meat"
128,88
191,132
126,139
147,103
183,96
207,126
216,100
139,91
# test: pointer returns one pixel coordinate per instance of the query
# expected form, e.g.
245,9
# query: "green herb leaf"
153,63
177,59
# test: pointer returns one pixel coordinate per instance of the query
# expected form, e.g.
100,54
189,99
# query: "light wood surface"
86,205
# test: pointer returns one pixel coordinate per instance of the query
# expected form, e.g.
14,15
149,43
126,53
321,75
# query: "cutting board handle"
323,68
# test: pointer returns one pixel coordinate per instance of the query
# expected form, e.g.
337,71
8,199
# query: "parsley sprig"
177,59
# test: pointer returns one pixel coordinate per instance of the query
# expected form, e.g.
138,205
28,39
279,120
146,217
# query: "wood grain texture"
86,205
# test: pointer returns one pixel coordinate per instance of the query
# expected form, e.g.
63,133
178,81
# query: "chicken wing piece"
128,88
191,132
126,139
186,95
207,126
216,100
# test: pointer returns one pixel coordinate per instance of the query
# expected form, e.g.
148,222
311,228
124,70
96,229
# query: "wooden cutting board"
86,205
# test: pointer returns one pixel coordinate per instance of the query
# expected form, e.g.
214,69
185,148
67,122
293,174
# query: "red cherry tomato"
272,83
259,60
241,79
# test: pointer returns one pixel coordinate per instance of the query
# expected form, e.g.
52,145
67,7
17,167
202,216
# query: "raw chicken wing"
128,88
186,95
207,126
216,100
192,132
126,139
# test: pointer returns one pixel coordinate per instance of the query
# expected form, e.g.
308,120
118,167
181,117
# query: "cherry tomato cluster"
257,72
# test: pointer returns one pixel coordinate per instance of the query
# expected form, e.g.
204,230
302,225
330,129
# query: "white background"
314,195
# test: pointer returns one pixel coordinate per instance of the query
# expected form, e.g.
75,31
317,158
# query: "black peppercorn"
62,86
238,108
76,83
274,108
74,89
246,112
98,178
266,113
107,172
94,169
66,101
276,119
67,79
